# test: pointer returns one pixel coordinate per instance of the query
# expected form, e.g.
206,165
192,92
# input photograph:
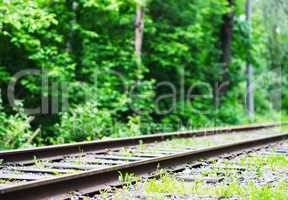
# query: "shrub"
15,130
87,122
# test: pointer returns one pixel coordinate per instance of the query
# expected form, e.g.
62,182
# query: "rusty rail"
95,180
53,152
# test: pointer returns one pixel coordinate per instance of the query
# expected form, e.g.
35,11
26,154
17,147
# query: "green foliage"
88,122
15,130
84,123
85,49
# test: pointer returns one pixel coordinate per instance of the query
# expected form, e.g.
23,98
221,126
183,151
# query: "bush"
15,130
87,122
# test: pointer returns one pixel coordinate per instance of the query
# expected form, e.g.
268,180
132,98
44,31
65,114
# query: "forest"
80,70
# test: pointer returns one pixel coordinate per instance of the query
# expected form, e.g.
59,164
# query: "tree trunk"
249,67
139,27
73,6
226,42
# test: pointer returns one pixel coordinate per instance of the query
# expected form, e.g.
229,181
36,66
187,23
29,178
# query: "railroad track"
250,174
54,172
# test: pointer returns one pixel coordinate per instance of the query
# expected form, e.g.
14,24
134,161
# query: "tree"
249,67
226,35
139,28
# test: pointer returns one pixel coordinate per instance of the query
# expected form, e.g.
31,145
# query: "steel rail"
56,151
95,180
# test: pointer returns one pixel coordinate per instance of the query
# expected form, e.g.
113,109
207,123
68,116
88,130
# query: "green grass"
167,184
258,164
274,162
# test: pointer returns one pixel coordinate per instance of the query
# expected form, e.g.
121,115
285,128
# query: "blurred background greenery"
86,48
